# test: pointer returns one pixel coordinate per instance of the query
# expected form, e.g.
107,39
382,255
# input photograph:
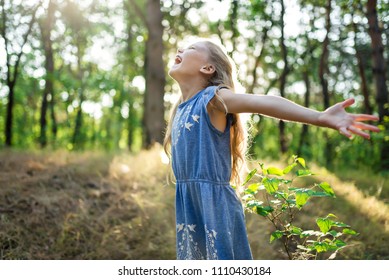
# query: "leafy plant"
275,198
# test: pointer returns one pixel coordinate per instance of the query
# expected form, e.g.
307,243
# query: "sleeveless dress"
209,216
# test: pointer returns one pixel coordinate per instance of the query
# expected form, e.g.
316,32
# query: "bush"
275,197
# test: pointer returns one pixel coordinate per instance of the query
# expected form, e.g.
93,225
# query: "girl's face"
189,62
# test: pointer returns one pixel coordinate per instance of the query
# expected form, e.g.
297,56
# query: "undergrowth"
94,205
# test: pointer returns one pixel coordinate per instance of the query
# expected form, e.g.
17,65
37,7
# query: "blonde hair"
224,76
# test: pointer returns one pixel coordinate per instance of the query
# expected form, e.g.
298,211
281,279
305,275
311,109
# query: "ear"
208,69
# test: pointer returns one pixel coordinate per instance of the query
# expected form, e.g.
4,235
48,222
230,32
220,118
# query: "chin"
173,73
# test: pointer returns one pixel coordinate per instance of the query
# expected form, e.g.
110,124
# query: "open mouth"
177,60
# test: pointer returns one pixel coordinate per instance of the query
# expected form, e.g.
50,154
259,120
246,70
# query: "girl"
207,143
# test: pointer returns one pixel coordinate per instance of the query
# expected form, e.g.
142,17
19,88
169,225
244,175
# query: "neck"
189,89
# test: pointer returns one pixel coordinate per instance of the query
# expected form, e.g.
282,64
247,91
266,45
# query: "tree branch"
25,38
139,11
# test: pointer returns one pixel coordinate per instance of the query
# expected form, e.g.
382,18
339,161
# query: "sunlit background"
99,54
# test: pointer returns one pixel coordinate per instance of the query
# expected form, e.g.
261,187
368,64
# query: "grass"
94,205
88,205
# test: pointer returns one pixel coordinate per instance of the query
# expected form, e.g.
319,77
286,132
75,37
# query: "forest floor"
95,205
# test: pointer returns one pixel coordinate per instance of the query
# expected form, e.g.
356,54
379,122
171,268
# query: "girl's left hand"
347,124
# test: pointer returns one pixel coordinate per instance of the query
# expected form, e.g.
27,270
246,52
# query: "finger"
359,132
366,127
348,102
365,117
345,132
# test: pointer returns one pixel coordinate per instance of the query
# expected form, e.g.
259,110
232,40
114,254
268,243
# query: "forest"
85,97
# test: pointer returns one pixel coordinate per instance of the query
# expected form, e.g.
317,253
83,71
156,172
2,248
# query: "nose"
180,50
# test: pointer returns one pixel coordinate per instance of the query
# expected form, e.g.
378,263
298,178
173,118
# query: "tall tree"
13,55
79,30
378,59
284,74
323,69
46,26
361,64
382,95
323,76
233,22
258,9
153,115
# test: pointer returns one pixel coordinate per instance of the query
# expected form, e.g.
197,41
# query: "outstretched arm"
334,117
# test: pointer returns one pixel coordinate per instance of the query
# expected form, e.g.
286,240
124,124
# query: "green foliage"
275,198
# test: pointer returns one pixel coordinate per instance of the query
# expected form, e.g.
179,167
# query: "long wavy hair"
224,76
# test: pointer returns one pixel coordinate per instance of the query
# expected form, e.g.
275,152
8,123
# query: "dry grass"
92,205
88,205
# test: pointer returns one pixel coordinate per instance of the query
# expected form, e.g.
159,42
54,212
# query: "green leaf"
327,188
264,170
350,231
340,224
321,246
330,215
296,230
253,188
268,208
263,211
254,203
276,235
281,195
335,233
324,224
301,161
301,198
250,175
319,194
339,243
304,172
275,171
289,168
271,184
307,233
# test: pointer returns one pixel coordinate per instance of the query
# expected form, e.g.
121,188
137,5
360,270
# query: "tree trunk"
323,68
9,118
153,117
285,71
54,126
77,133
361,69
378,59
233,23
11,76
304,130
379,75
323,75
258,59
46,28
128,62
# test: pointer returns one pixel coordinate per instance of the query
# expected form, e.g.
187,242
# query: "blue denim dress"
209,216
